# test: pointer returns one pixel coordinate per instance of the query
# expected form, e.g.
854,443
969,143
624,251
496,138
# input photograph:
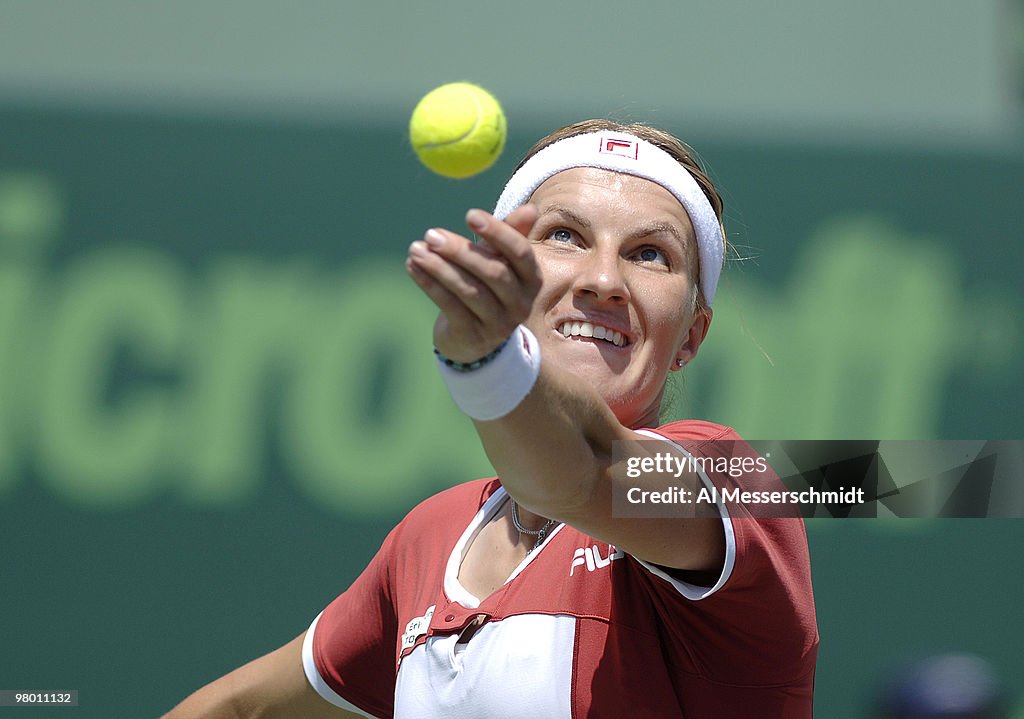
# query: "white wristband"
496,388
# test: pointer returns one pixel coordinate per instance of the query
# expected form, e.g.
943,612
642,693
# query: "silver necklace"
541,533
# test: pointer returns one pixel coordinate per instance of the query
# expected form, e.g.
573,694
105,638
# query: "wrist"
475,364
496,387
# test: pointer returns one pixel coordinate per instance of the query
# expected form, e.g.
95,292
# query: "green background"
217,393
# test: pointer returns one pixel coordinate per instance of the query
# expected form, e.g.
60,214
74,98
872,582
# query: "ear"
694,337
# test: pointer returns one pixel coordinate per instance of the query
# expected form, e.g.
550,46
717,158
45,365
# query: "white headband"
621,152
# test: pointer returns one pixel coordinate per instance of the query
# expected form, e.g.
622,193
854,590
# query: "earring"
680,363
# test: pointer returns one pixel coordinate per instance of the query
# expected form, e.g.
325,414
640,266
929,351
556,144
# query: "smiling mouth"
590,330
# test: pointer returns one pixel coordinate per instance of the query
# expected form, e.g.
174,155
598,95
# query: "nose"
600,277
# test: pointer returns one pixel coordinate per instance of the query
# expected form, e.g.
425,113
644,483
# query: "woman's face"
617,252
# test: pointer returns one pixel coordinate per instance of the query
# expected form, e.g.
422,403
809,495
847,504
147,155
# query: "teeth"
586,329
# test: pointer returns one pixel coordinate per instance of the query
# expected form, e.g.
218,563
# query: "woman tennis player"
529,595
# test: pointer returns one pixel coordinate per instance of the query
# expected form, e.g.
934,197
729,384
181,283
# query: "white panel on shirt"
518,667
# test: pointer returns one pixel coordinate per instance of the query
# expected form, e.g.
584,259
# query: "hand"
483,290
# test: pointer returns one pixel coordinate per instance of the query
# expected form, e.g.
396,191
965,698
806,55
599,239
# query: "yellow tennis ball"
457,130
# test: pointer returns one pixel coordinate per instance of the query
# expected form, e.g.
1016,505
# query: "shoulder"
761,543
443,517
695,430
767,560
462,498
722,444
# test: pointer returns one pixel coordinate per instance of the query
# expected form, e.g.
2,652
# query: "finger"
487,266
465,286
508,241
453,308
523,218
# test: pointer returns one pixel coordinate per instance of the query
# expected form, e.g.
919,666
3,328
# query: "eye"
561,238
651,254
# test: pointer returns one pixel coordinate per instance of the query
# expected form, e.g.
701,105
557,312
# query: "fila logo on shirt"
591,557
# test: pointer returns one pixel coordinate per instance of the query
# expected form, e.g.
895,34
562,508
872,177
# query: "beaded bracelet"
475,364
502,381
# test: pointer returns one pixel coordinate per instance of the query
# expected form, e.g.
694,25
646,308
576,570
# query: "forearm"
555,448
214,701
555,456
271,687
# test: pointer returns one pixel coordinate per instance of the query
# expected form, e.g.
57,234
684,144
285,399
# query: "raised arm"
553,451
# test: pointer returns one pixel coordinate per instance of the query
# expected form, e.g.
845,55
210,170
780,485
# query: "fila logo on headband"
619,146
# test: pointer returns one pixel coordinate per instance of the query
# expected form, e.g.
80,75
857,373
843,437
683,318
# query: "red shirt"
579,630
